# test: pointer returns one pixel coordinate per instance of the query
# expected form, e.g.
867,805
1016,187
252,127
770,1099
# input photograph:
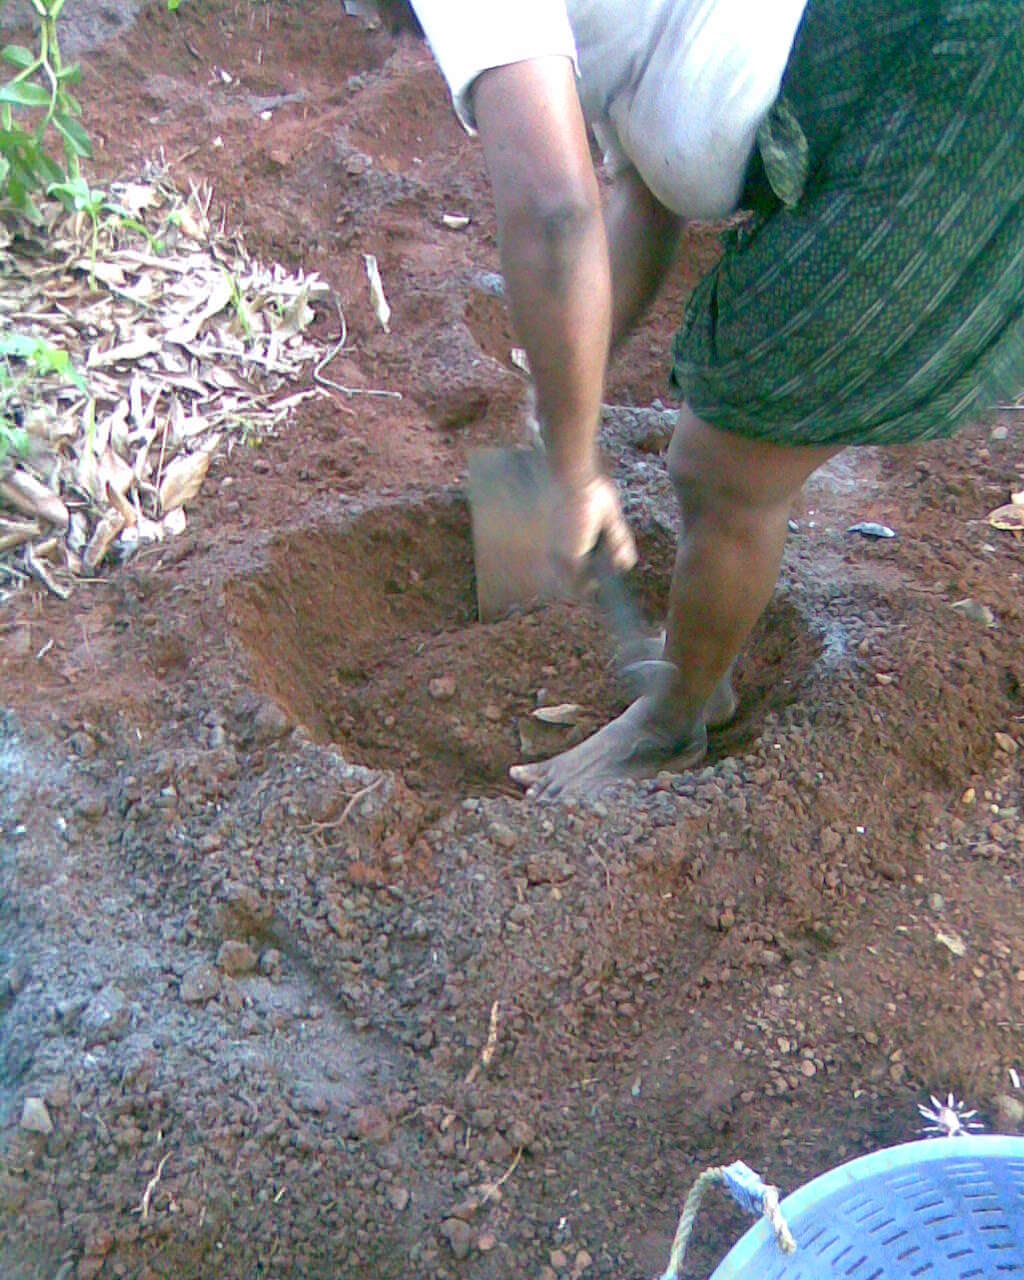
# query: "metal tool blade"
511,502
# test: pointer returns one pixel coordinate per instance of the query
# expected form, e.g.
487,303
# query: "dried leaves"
184,477
182,345
381,307
29,496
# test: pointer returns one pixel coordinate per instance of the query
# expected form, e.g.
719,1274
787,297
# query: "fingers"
620,543
611,528
588,516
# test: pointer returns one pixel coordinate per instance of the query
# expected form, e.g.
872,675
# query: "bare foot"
632,746
721,706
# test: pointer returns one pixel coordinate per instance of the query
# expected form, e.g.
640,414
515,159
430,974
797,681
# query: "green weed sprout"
76,194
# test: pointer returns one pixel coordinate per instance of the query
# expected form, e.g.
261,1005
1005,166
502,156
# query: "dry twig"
491,1189
353,800
151,1186
322,380
487,1054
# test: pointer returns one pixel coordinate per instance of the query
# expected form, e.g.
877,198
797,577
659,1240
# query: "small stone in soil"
236,958
869,529
1005,743
521,1134
270,722
106,1017
976,612
459,1236
503,835
563,714
34,1116
441,688
200,983
490,283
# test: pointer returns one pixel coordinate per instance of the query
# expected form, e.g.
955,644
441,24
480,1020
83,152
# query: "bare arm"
643,238
554,253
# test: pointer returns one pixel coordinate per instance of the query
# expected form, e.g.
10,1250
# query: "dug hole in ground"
302,987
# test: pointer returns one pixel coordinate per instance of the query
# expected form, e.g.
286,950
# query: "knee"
708,500
689,477
718,495
715,471
701,477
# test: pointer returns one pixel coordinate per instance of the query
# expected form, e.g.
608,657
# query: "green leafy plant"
124,219
239,304
37,105
40,360
76,194
13,440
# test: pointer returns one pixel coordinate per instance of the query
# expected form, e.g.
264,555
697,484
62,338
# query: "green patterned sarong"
884,302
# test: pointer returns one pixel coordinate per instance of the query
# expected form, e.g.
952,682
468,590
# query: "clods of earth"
291,982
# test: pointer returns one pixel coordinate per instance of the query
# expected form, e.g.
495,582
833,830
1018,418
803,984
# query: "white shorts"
473,37
675,88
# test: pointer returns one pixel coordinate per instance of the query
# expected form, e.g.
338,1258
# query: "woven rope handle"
749,1192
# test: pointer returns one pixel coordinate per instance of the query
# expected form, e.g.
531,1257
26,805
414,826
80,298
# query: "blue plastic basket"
944,1209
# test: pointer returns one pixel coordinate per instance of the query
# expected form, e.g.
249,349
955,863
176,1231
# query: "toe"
525,775
547,794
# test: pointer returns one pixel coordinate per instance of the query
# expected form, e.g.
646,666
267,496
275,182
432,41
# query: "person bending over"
874,296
